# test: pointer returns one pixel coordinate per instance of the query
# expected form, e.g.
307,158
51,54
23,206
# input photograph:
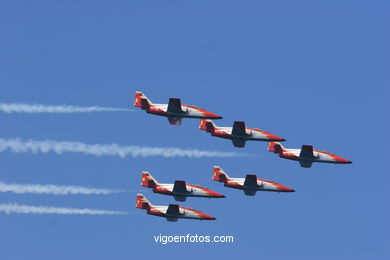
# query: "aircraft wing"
239,128
305,164
238,142
250,192
173,210
174,106
306,151
174,120
180,198
180,187
250,180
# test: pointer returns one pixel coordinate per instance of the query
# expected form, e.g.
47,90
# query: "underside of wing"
170,219
250,192
306,151
180,198
174,121
239,128
238,142
305,164
174,106
250,181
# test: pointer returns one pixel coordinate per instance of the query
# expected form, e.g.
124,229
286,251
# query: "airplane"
179,190
175,111
239,133
306,155
172,212
250,184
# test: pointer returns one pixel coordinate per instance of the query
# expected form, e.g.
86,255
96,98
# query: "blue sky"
311,72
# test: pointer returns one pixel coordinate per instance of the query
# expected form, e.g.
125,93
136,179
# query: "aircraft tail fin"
142,202
275,147
219,174
207,125
148,180
140,100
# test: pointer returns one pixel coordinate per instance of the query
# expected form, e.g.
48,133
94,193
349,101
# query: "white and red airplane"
306,155
250,184
172,212
179,190
239,133
175,111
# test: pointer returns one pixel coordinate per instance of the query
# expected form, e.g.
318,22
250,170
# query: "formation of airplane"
250,184
180,190
175,111
172,212
306,155
239,133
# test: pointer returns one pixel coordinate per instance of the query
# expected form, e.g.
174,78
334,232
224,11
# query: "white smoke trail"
13,208
19,146
61,109
53,189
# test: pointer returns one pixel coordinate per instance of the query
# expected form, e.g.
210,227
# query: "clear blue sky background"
311,72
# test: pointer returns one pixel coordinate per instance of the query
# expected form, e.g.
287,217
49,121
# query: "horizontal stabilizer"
275,147
219,174
145,104
142,202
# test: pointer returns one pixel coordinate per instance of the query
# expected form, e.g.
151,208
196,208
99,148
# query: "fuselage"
188,213
188,112
192,191
262,185
251,134
318,156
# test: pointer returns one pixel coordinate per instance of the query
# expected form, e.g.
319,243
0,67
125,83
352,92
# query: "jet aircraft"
239,133
175,111
306,155
179,190
172,212
250,184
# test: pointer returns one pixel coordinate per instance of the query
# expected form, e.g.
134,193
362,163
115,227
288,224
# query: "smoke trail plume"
31,146
61,109
53,189
13,208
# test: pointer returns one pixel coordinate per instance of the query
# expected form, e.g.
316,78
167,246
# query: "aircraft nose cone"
219,196
345,161
208,217
285,189
214,194
276,138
